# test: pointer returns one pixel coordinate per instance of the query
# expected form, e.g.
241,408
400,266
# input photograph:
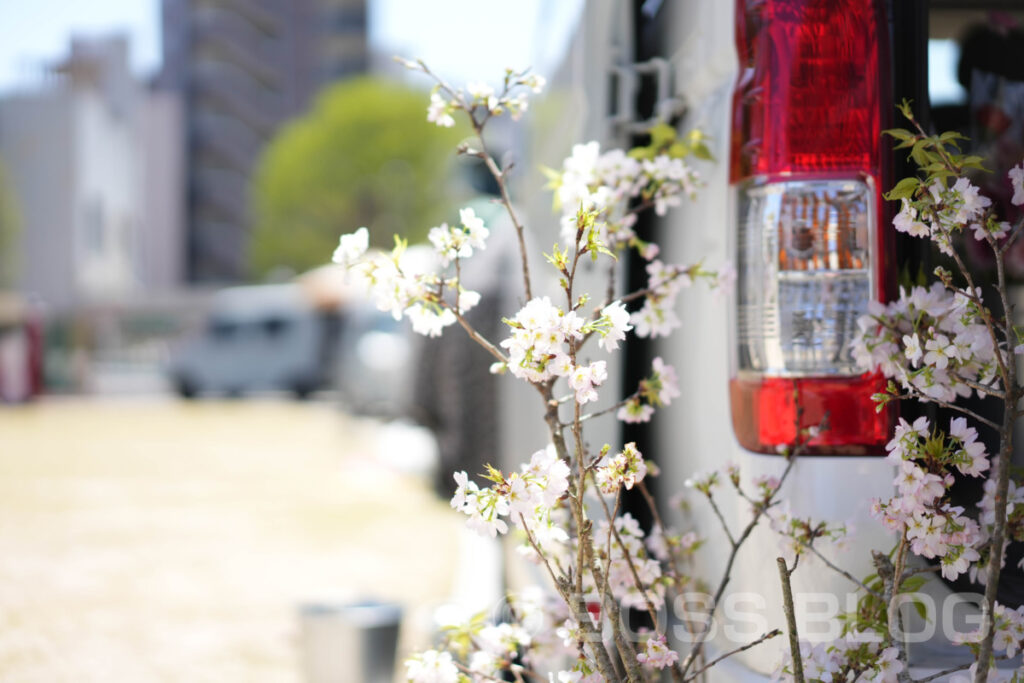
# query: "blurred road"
152,540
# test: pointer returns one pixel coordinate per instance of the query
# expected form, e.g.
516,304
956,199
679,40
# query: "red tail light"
807,168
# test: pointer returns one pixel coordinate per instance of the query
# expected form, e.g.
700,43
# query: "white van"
256,338
794,95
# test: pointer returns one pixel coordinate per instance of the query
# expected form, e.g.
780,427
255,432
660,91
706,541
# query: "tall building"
98,188
244,67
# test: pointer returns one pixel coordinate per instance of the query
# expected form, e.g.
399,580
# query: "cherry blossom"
613,325
635,411
431,666
1016,175
657,654
440,111
584,380
626,468
906,221
459,242
351,247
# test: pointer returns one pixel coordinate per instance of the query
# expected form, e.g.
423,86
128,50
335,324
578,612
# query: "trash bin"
350,642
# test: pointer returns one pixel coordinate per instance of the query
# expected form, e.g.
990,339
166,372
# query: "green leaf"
920,608
662,135
973,161
904,189
550,173
905,109
701,151
641,153
697,141
918,153
900,134
912,584
678,150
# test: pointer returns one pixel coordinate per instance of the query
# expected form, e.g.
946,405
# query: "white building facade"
94,161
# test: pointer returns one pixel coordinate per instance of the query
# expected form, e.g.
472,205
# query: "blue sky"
36,32
463,39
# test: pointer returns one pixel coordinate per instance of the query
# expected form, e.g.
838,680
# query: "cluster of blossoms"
797,534
942,212
933,527
657,317
455,242
856,657
497,646
1014,508
935,341
432,666
528,495
512,97
947,211
628,562
1008,625
405,286
657,654
603,182
601,194
542,334
524,637
623,469
932,341
665,544
656,390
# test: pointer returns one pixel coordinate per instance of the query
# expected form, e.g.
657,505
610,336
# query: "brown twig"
787,606
915,395
730,653
759,511
837,569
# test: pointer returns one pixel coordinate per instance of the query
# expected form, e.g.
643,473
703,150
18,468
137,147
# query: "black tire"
186,389
302,390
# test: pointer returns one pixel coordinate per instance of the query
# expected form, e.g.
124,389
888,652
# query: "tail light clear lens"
804,257
806,166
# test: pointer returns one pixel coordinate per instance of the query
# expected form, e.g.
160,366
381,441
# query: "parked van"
255,338
794,95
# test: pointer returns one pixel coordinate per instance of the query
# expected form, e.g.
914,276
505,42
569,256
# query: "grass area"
162,541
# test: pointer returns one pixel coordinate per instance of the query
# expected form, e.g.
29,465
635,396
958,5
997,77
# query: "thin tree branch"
837,569
652,506
476,336
651,611
945,404
787,606
721,519
698,647
730,653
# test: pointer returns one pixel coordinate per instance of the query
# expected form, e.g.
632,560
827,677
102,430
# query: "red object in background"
34,331
810,102
21,352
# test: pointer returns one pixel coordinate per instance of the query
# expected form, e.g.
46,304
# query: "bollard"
349,642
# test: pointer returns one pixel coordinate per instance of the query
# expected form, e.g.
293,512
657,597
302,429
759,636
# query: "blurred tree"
10,228
364,155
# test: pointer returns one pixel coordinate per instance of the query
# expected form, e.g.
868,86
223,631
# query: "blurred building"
244,67
91,156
